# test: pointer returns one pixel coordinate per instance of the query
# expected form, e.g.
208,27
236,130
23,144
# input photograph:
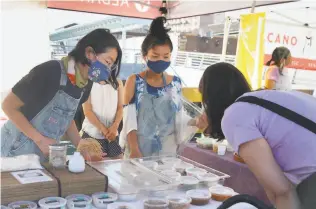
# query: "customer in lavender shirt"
280,153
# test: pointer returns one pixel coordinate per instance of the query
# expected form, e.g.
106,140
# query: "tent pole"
253,6
225,39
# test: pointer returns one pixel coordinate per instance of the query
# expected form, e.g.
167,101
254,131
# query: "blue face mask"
98,72
158,66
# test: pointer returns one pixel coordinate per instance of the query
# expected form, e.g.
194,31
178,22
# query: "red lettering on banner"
279,39
269,37
142,9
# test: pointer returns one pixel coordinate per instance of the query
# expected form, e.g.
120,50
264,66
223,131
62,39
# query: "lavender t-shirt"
293,147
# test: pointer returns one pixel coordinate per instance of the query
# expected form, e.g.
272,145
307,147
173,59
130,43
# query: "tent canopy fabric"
149,9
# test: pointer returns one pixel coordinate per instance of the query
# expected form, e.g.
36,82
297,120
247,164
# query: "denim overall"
52,121
156,122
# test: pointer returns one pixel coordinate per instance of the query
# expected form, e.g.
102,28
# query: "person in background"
276,77
279,152
152,99
42,105
103,113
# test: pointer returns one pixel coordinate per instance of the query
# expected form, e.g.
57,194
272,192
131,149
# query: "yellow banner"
250,48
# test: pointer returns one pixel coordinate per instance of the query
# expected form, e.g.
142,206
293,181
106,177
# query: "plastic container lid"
179,199
120,205
23,205
156,203
208,177
171,174
183,165
58,147
221,190
198,194
188,180
195,171
78,200
163,167
149,163
102,199
52,202
171,160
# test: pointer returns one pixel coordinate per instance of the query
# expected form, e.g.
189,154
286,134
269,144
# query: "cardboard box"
88,182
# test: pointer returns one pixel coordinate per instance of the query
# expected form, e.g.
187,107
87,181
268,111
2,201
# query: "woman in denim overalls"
152,100
92,59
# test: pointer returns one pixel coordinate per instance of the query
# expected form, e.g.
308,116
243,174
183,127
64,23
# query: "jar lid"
23,205
79,199
105,196
58,146
52,202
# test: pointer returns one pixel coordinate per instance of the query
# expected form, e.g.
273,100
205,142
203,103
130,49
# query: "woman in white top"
104,111
276,77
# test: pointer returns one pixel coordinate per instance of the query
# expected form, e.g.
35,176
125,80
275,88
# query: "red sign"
148,9
297,63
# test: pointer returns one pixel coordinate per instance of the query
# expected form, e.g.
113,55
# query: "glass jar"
58,155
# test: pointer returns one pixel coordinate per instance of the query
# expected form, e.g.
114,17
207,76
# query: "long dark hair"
221,85
100,40
157,35
279,54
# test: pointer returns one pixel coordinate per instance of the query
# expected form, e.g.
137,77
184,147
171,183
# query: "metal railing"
190,60
198,60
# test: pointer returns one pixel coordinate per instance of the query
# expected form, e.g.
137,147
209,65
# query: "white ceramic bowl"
103,199
52,202
195,171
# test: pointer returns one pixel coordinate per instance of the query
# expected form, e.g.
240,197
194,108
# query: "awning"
149,9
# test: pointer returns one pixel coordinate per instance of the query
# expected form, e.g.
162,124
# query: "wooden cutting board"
88,182
12,190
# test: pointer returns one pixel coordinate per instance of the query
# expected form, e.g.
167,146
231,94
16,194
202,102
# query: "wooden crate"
12,190
88,182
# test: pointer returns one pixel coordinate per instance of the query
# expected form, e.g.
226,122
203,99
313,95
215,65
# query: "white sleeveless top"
104,100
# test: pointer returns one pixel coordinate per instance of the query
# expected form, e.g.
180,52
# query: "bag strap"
282,111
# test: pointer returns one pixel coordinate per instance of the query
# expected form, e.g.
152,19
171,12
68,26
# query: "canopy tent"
150,9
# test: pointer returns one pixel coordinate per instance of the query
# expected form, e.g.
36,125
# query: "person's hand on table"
43,144
202,122
112,132
90,157
135,153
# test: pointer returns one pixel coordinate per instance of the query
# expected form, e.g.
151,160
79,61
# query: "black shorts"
112,149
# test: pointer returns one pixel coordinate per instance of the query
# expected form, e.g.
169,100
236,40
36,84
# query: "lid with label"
23,205
52,202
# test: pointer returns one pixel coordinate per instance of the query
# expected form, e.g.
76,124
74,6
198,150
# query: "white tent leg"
253,6
225,39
